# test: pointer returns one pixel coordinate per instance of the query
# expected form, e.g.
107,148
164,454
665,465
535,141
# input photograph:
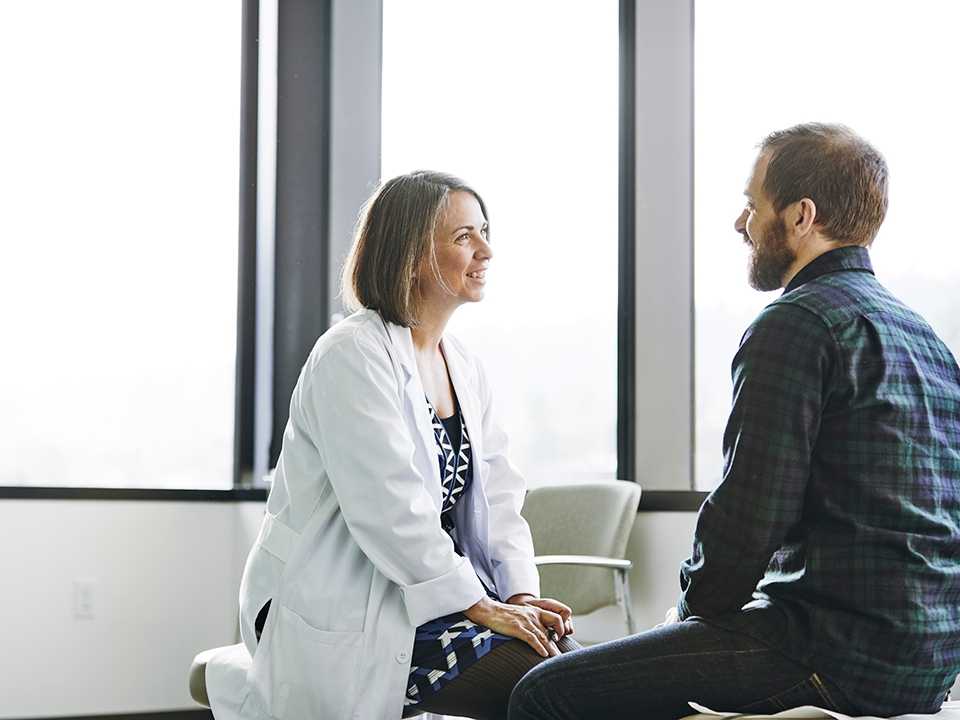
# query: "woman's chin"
472,296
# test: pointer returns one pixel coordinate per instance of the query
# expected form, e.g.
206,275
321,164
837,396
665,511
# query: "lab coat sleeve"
511,547
354,413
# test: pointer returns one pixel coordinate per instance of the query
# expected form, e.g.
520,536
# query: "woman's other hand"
547,604
671,617
524,621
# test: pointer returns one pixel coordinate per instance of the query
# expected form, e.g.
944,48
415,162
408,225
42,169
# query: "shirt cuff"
454,591
516,576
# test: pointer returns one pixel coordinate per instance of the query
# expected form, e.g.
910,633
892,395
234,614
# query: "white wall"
165,584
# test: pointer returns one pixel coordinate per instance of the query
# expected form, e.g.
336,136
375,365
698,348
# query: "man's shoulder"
838,297
842,298
783,328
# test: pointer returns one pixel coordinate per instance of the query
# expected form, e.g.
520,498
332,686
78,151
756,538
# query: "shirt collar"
848,257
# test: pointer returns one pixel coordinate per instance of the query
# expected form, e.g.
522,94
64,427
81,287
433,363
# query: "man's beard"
771,257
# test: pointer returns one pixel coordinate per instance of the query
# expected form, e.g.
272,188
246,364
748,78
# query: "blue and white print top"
445,647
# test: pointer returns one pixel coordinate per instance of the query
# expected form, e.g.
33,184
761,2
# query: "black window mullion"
626,322
301,303
247,255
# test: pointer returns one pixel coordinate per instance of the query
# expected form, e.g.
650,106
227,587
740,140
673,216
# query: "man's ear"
803,217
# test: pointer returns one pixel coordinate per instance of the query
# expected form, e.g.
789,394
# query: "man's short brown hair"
394,235
842,173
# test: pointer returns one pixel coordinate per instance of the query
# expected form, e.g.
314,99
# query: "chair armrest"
586,560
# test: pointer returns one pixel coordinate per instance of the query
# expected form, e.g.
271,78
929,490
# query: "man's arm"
780,381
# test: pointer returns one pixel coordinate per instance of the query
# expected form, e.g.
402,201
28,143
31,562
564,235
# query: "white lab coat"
350,550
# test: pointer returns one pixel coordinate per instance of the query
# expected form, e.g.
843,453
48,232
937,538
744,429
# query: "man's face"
765,231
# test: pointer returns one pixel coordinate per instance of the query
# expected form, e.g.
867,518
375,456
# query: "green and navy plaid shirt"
834,535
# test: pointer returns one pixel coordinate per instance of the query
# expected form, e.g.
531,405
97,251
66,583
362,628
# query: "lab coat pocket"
315,670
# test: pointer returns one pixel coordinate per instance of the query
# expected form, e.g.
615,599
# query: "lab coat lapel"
417,410
469,398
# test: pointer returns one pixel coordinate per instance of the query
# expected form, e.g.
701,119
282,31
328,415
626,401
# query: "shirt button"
402,657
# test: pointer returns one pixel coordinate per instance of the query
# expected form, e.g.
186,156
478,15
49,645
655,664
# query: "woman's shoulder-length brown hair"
394,234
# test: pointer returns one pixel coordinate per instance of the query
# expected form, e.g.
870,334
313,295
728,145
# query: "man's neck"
808,251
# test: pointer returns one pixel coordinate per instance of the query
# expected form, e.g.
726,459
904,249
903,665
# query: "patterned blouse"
445,647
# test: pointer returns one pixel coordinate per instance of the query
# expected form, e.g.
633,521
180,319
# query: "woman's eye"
462,239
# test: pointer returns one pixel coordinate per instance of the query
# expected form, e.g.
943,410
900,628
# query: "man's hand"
671,617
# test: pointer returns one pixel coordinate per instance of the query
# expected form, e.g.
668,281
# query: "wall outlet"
83,599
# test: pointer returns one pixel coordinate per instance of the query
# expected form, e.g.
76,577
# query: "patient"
826,565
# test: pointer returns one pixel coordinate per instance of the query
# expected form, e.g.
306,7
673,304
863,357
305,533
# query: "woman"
393,573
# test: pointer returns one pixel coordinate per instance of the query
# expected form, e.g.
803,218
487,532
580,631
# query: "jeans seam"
775,698
574,672
698,654
823,692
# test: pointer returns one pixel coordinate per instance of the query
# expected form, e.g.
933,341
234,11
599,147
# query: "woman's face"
463,255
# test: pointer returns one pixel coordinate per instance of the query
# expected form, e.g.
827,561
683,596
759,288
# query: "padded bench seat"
950,711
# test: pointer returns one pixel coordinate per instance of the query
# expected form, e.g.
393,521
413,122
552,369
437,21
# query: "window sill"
650,501
170,495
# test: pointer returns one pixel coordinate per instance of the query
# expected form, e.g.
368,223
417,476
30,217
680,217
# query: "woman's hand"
547,604
528,622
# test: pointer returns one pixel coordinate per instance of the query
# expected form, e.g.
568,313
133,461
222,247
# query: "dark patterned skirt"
444,648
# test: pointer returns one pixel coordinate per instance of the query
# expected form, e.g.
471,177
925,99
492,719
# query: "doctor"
393,572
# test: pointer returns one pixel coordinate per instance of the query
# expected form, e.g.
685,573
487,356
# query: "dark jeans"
654,674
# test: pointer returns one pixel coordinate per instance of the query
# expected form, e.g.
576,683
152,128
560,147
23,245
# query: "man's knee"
531,696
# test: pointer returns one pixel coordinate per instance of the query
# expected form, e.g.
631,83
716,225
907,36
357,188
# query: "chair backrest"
582,519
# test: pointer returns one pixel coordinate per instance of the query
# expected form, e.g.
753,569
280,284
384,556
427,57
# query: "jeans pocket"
814,690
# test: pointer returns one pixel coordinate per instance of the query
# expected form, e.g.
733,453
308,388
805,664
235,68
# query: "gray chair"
580,535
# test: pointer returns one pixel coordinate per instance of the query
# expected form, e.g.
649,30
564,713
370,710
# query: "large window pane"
120,147
885,69
520,99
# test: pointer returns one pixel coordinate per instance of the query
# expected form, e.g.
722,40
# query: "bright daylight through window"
521,100
885,69
118,286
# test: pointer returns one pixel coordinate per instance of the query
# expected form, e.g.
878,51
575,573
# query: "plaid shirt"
834,535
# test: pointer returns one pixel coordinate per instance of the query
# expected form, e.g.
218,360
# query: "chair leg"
623,592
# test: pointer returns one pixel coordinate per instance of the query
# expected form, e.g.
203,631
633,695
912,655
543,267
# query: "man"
826,565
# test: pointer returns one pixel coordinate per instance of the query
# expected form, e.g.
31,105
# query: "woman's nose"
484,251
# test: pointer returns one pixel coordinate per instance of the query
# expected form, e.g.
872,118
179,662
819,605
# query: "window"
118,286
883,69
521,101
